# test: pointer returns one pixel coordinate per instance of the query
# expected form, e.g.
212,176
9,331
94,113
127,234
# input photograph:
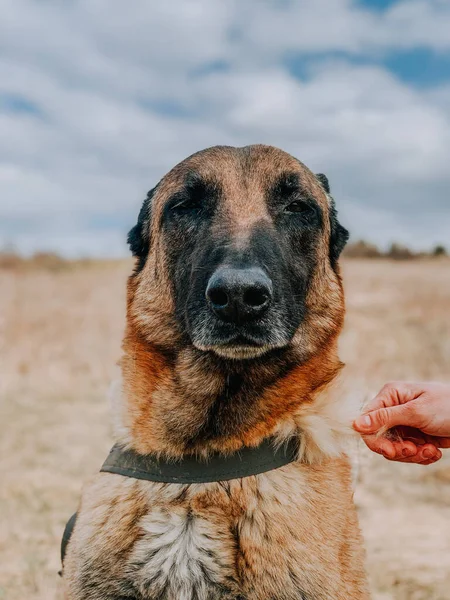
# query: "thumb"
382,418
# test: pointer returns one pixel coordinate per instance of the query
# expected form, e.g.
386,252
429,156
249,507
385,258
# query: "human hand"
408,422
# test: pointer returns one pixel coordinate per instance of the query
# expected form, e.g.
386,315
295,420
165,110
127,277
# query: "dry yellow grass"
60,335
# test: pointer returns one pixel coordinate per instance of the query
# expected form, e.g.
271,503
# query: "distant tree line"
48,261
51,261
363,249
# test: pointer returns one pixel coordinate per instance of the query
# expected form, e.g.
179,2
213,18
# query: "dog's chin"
238,351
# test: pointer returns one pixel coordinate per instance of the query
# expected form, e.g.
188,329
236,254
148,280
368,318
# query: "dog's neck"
196,403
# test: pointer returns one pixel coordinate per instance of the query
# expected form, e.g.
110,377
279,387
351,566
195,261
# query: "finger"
404,449
440,442
380,445
374,404
398,392
392,394
382,400
426,462
382,419
389,449
418,459
429,452
426,455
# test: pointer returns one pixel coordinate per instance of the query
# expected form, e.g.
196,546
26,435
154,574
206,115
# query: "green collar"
190,469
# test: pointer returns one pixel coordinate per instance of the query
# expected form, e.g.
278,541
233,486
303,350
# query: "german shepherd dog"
233,315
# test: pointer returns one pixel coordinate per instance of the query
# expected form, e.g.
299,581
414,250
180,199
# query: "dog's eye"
192,198
187,205
299,206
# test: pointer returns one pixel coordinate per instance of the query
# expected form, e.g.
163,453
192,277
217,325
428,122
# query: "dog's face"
237,251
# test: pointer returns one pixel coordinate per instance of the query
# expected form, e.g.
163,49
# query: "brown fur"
290,533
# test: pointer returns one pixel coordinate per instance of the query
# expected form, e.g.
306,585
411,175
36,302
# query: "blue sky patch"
377,4
303,66
14,103
419,66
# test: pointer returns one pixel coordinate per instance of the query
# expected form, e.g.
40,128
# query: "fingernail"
428,453
363,421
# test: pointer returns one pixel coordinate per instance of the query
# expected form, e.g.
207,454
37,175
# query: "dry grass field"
60,333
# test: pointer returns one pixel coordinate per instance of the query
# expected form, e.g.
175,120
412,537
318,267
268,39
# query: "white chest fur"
182,556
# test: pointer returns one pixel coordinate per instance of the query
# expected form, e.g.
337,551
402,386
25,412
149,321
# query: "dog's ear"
323,182
139,236
339,235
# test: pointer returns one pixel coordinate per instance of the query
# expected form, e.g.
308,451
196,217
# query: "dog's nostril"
255,298
239,295
218,297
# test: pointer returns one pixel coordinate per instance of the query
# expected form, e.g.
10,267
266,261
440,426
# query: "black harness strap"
190,469
66,535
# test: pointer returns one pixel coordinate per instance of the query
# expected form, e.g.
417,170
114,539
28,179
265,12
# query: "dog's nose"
239,295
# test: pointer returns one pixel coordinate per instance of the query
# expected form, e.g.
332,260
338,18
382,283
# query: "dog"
234,310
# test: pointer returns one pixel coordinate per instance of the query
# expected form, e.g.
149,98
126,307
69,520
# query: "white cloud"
121,95
343,25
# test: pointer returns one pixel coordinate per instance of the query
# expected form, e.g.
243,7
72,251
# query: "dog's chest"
249,539
275,536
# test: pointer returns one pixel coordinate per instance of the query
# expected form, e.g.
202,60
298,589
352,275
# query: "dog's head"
237,252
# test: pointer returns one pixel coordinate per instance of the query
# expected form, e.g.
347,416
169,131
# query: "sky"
100,98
